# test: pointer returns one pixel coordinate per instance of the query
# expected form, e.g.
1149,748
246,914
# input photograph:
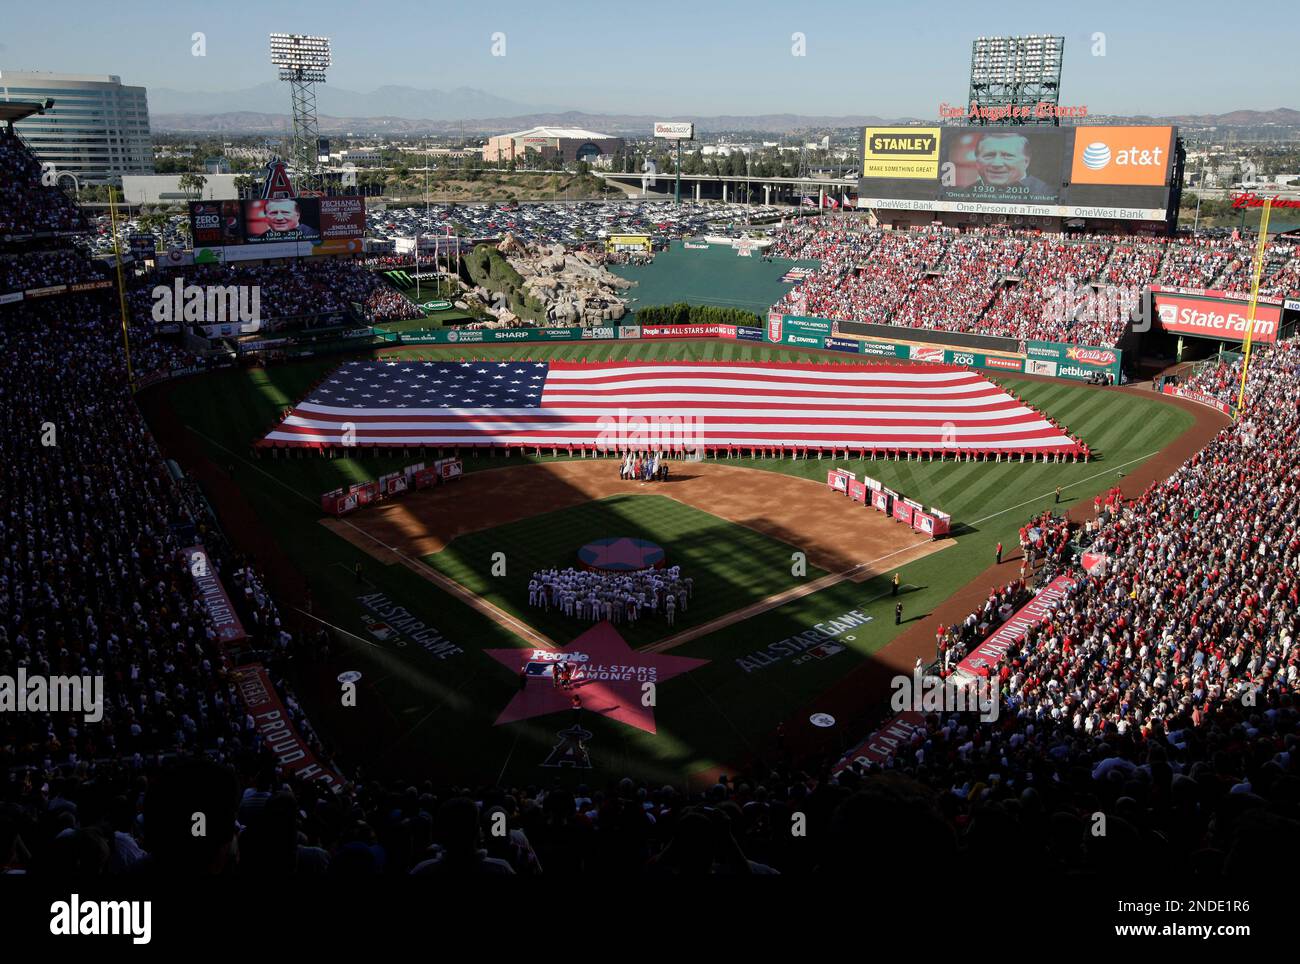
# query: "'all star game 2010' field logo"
608,678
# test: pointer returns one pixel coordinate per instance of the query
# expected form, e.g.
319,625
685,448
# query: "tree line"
682,313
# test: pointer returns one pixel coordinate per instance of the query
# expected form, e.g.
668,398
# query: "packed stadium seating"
28,207
287,289
1007,283
1162,689
1161,693
41,269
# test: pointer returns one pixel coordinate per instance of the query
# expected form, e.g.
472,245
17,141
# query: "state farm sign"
1220,318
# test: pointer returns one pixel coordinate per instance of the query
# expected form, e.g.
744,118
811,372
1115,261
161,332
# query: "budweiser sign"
1249,199
1101,357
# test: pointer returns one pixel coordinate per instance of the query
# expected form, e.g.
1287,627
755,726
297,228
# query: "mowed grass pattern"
237,407
707,717
732,565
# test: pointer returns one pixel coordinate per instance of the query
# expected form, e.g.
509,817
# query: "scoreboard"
1087,171
277,227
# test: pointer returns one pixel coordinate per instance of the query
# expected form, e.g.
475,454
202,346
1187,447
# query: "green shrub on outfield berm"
683,314
488,267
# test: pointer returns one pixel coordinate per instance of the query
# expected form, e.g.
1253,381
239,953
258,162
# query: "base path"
836,534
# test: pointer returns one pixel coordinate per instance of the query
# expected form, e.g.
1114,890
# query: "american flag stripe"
750,404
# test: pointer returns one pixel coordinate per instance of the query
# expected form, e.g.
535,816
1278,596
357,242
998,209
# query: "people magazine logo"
1121,155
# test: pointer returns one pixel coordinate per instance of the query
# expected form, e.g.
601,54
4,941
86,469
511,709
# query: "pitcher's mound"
621,554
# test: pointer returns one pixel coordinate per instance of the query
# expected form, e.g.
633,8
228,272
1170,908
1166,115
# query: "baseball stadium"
950,505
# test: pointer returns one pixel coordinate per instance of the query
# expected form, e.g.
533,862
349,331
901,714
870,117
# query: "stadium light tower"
1011,72
302,61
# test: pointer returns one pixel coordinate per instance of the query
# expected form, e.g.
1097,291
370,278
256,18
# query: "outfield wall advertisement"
1216,314
1054,359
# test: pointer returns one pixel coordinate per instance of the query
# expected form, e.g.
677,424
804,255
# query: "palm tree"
192,184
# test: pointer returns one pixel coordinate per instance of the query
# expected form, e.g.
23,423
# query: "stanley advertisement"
900,152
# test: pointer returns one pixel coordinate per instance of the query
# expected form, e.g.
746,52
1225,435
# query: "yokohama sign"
1208,316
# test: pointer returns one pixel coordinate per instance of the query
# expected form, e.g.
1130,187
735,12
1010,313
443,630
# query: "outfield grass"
441,711
732,565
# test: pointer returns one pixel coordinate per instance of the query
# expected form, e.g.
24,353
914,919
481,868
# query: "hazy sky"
669,57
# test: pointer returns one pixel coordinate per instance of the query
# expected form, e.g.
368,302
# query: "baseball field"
424,594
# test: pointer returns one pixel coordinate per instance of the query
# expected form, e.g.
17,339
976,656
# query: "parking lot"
571,224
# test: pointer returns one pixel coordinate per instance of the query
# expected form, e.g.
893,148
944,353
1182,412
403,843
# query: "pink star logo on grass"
608,675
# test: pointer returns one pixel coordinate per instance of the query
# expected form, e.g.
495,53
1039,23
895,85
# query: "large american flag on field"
533,403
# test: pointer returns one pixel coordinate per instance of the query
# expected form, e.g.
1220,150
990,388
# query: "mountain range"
412,103
396,110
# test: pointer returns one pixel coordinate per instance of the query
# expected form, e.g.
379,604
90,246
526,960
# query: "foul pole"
121,287
1254,299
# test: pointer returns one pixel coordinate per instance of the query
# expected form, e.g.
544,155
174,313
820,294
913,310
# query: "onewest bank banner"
1215,314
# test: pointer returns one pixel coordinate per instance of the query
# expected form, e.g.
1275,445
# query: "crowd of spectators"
42,269
27,206
1198,262
93,583
869,290
838,243
289,288
1161,689
386,304
1009,283
954,642
1047,538
955,298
